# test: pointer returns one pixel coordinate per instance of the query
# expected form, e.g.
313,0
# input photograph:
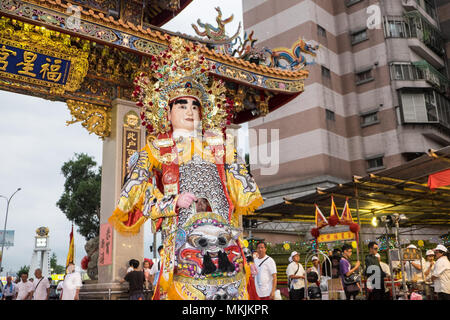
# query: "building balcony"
418,46
418,137
410,5
433,77
426,9
405,84
424,38
419,74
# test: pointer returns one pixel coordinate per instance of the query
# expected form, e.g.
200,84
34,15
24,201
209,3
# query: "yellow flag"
334,210
71,254
320,219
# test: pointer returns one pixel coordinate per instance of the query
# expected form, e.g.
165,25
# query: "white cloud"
34,144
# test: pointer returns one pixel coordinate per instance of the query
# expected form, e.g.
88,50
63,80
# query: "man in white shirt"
24,288
72,284
266,279
413,269
316,267
429,265
9,289
41,286
59,287
441,273
296,277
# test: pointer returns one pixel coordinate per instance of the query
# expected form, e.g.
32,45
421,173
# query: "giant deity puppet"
188,181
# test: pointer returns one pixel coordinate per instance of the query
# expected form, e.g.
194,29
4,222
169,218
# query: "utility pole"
6,220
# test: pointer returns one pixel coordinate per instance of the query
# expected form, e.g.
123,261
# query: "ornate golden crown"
180,71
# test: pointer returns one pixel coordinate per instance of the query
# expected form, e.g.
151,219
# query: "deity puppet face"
185,114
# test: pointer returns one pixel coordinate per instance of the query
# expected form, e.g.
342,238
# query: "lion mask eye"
193,240
203,242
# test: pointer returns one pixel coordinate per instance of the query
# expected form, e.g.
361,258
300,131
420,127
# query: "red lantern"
315,232
354,227
84,262
333,220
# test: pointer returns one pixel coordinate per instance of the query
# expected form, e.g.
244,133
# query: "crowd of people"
339,274
336,273
141,280
39,288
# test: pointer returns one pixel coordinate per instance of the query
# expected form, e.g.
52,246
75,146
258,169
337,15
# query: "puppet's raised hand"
185,200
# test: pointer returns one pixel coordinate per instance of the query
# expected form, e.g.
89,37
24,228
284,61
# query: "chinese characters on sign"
410,254
131,144
330,237
9,238
29,64
4,54
51,71
105,248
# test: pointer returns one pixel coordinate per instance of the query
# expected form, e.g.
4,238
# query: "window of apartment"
443,105
321,31
408,71
359,36
431,106
326,72
375,163
409,156
330,115
364,76
430,8
413,107
405,71
419,107
349,3
369,118
401,71
396,28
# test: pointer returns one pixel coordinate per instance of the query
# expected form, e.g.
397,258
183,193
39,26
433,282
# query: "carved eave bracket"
96,119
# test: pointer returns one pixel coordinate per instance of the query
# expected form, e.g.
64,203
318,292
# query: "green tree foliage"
80,201
57,269
24,269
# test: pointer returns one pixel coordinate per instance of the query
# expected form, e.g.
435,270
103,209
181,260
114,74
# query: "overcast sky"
34,144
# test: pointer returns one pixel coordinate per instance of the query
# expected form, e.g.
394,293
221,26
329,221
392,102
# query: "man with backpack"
348,274
374,273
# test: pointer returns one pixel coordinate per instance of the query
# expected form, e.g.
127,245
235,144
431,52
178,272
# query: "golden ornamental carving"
263,103
287,86
131,120
50,44
96,119
42,232
180,71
